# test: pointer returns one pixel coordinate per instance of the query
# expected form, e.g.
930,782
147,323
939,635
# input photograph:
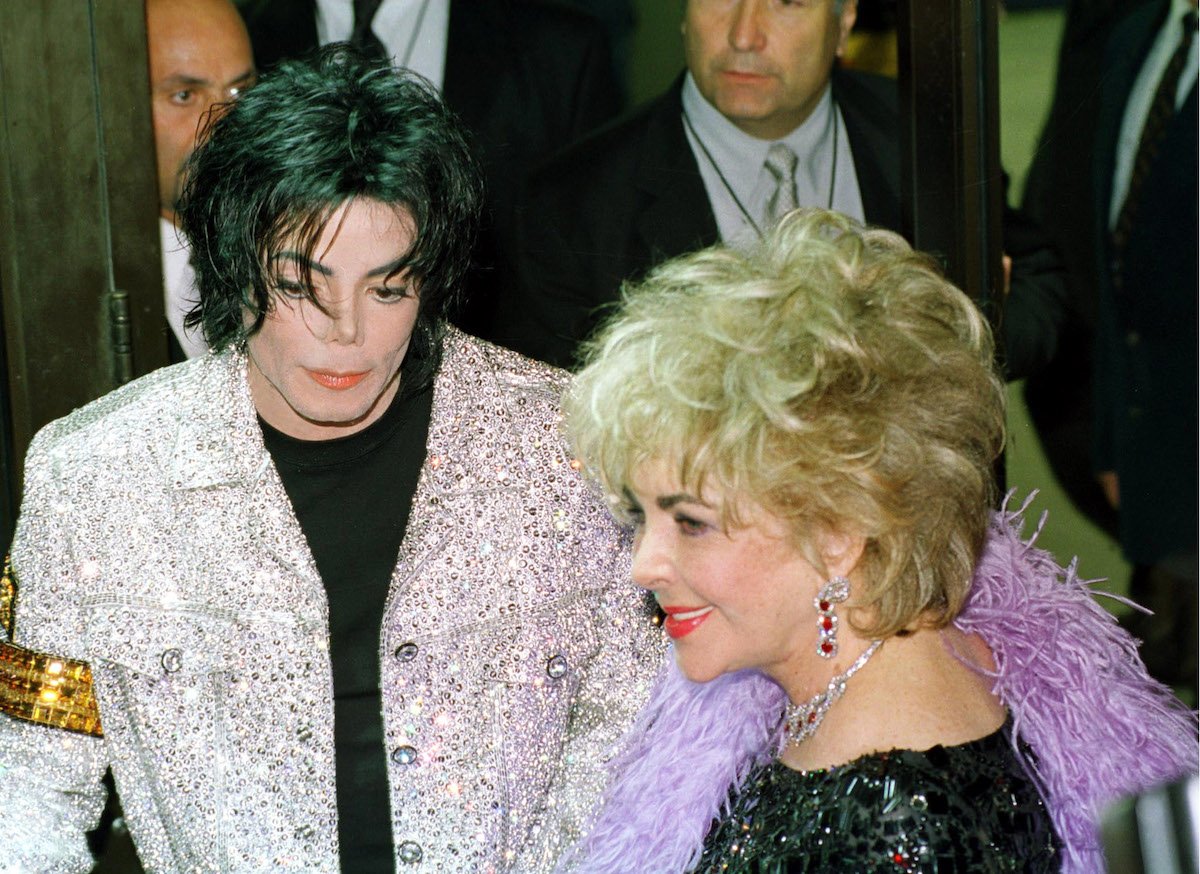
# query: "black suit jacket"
1060,195
1146,382
527,77
631,196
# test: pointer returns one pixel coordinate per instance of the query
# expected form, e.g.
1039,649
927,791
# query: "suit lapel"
1123,61
677,216
280,29
872,131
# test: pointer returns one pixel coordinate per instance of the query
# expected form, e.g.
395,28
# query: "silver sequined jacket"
156,544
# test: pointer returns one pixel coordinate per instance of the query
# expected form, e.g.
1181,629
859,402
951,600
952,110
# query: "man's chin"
340,421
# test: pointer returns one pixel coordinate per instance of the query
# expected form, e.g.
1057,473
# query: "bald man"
200,60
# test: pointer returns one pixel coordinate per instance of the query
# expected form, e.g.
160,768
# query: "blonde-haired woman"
870,670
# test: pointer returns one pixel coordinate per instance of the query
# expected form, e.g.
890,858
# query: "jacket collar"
869,108
219,440
677,217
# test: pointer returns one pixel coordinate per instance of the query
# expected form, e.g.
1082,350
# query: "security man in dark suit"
1146,362
760,122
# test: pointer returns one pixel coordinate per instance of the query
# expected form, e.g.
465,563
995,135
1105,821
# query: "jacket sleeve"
1036,307
51,747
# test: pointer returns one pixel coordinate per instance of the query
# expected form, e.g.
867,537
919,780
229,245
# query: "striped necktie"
781,164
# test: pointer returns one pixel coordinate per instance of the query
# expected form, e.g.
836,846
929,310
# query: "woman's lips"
337,381
682,621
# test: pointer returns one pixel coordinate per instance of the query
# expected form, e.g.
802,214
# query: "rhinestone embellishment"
172,660
404,755
411,852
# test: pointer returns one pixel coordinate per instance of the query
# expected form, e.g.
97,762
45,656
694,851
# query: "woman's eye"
690,526
634,514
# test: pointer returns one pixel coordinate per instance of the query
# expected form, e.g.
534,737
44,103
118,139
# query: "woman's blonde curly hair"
831,376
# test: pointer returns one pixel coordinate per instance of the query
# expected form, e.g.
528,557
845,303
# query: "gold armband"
8,598
48,690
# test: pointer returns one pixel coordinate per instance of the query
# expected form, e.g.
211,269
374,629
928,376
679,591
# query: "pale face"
315,375
764,64
200,58
736,600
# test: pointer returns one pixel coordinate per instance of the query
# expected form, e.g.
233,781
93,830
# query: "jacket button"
556,667
405,652
404,755
410,852
172,660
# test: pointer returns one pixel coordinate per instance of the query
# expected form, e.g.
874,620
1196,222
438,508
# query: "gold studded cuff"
48,690
8,597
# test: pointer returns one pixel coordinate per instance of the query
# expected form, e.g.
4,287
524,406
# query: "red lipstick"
682,621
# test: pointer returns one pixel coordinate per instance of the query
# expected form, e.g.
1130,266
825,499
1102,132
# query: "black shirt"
352,496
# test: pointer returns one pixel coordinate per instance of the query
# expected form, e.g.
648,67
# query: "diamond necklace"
801,721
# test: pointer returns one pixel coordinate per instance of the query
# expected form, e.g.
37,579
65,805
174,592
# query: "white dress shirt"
393,25
180,294
820,179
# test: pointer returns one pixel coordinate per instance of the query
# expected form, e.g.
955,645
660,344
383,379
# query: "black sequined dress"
967,808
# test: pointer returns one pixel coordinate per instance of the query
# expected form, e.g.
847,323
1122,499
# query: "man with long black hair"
333,595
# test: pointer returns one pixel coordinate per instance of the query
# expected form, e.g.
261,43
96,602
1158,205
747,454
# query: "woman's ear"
841,551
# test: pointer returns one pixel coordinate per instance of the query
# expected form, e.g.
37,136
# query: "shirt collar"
740,156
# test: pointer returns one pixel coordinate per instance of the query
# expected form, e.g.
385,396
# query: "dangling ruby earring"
833,592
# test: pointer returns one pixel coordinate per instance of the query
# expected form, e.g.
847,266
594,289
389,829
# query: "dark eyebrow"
666,502
303,263
391,267
248,76
179,79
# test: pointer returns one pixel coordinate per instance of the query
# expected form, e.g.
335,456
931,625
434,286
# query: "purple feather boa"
1099,726
1069,675
690,744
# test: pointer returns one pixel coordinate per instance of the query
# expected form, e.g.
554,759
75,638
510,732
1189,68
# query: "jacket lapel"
221,446
873,129
1123,60
473,56
677,216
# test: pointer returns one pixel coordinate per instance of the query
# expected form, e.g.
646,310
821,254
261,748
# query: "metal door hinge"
121,328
